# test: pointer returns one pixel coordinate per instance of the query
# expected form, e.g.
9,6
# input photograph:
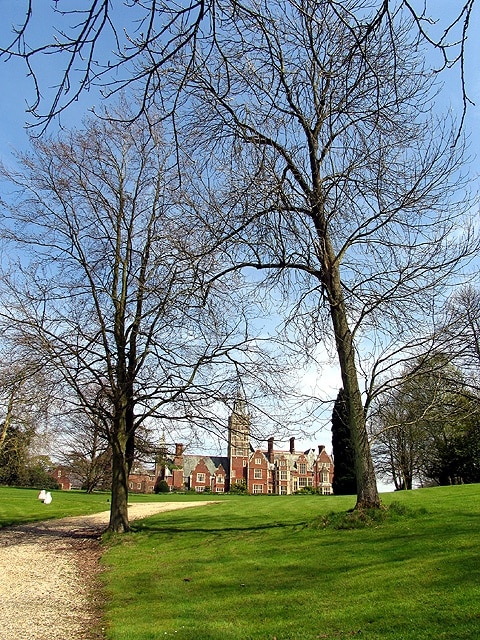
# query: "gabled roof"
254,452
212,463
292,458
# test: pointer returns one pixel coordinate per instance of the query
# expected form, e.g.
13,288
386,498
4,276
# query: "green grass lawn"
18,506
257,567
265,567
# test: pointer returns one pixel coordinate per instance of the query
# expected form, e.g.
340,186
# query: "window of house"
302,482
325,491
282,463
130,486
324,476
283,491
258,488
257,473
258,461
219,490
139,485
302,467
283,475
244,463
199,489
220,479
200,477
310,482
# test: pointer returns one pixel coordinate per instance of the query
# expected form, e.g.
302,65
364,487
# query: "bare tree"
108,284
338,173
398,435
26,398
89,458
421,417
26,393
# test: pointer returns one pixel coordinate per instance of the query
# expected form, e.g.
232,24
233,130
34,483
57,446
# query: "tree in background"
14,456
398,442
19,465
467,451
459,338
88,454
344,481
459,335
426,428
453,449
26,396
108,284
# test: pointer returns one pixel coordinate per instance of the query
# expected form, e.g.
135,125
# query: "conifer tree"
344,482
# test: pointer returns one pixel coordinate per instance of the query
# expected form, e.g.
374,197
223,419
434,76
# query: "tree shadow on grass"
158,528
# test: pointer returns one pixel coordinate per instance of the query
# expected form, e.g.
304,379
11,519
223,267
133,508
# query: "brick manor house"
272,471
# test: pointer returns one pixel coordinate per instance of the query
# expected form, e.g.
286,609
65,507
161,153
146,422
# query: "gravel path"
48,586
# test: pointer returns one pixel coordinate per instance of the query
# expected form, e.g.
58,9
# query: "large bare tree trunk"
119,506
367,492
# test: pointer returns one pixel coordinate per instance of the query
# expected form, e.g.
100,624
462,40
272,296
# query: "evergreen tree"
344,482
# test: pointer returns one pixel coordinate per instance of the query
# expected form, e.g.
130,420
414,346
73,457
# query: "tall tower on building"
239,428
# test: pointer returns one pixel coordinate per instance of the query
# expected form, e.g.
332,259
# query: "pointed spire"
239,427
162,446
240,403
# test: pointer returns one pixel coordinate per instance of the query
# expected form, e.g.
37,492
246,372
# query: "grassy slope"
255,567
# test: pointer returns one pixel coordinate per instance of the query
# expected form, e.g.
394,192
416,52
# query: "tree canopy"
119,45
426,429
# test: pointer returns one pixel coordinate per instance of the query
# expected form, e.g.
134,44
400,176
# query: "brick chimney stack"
292,445
178,459
179,449
270,450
